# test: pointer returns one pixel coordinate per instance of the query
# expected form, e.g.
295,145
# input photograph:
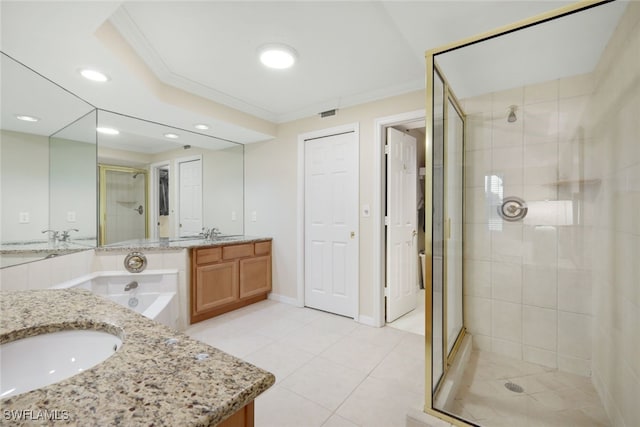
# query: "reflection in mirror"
191,181
33,108
72,173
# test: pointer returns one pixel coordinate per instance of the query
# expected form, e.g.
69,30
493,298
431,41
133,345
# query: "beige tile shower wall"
613,209
527,283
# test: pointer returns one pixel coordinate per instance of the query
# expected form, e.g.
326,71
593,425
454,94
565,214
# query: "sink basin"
34,362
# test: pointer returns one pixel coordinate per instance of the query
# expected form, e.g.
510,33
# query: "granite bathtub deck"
148,381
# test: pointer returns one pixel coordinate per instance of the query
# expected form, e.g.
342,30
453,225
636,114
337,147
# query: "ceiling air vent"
328,113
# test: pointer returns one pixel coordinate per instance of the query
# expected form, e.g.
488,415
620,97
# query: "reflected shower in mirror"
192,181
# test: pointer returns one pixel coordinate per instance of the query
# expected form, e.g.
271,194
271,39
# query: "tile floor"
414,320
330,370
550,398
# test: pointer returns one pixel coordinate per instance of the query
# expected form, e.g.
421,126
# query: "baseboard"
283,299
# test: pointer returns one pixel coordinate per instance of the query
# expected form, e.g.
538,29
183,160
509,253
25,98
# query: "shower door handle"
139,209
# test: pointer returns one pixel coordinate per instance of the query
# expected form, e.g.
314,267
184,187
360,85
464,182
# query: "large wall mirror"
159,182
73,176
47,181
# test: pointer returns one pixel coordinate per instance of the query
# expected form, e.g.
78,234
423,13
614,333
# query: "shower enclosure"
532,144
123,204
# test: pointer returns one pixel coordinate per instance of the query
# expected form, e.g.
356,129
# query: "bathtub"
154,297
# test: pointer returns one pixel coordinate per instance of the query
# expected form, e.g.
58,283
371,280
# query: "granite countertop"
148,381
42,246
179,243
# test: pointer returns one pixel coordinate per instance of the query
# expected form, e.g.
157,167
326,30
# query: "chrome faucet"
54,236
131,285
209,233
65,234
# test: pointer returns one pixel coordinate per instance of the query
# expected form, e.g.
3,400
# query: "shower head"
135,175
512,114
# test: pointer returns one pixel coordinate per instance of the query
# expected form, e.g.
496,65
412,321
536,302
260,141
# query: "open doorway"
400,238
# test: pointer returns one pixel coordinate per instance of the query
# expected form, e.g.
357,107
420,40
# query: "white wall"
613,210
222,186
24,185
73,188
271,189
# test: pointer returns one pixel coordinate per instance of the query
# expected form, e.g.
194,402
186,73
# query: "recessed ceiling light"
93,75
278,56
26,118
171,136
108,131
201,126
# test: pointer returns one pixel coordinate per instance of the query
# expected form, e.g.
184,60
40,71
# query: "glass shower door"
123,204
453,227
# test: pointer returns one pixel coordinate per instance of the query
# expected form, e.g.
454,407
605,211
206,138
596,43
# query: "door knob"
413,233
352,234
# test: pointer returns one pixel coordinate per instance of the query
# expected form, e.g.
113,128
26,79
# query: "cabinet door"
216,285
255,276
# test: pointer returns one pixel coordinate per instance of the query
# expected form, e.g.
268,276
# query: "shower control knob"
512,209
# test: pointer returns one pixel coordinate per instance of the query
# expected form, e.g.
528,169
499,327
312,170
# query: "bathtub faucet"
131,285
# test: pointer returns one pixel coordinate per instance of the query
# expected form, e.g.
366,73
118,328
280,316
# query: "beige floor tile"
240,345
279,407
381,337
378,403
355,354
324,382
338,421
279,359
405,371
311,341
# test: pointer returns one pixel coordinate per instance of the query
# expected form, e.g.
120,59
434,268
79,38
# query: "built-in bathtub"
152,293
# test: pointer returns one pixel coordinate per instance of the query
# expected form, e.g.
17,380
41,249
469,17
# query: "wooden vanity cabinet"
225,278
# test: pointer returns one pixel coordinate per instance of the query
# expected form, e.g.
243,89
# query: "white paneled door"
331,223
190,197
402,217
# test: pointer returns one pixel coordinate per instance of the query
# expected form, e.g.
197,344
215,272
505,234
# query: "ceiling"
349,53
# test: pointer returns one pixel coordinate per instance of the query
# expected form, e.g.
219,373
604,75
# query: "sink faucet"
54,236
131,285
209,233
65,234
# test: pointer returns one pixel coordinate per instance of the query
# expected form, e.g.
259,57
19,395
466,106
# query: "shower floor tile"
549,398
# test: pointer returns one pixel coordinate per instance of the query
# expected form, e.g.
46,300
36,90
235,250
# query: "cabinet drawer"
263,248
205,256
237,251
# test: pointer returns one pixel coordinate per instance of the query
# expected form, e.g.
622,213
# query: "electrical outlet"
24,218
254,216
233,216
71,216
